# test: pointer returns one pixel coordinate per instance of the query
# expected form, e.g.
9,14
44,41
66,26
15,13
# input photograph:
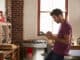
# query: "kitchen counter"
74,53
75,47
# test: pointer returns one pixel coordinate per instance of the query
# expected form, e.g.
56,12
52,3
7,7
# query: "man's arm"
65,39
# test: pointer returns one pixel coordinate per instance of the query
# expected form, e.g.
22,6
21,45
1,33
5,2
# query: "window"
46,22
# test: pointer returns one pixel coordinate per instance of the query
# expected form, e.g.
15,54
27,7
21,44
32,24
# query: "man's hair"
56,12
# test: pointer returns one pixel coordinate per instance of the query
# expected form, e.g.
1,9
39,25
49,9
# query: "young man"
62,40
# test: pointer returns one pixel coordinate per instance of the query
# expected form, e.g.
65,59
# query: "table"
12,54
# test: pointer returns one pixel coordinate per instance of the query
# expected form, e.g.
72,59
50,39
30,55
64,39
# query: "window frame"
38,16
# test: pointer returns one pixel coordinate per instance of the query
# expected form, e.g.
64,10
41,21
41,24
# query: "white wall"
74,17
30,19
2,5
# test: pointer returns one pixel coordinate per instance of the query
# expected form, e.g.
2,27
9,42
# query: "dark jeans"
54,56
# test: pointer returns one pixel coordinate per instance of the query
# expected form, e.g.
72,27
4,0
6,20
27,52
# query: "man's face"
56,18
0,14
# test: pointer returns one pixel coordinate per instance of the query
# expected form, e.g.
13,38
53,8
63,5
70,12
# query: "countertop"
75,47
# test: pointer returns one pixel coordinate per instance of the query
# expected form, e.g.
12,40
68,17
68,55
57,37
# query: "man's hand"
49,35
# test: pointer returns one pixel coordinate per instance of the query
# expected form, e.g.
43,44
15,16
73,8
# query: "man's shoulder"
68,25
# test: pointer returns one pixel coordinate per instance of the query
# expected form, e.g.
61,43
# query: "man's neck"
63,20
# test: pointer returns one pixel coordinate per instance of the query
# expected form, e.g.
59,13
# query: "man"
62,40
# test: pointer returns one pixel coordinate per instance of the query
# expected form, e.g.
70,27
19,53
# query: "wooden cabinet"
12,54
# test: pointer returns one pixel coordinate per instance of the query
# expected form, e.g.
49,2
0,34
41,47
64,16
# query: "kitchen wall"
74,17
30,18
